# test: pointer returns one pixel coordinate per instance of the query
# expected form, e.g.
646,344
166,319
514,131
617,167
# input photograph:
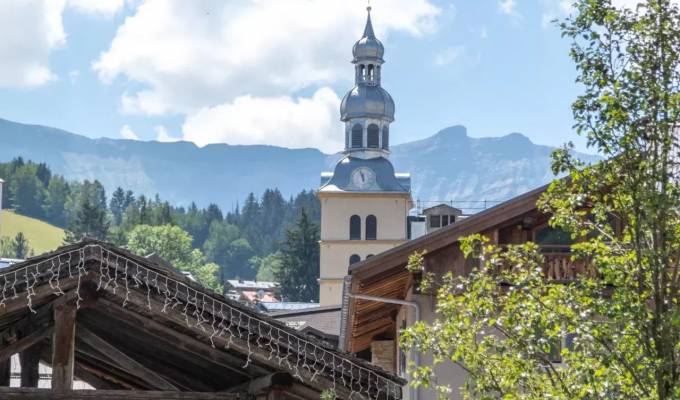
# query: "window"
435,221
370,72
354,227
371,227
373,136
445,220
354,258
553,236
386,137
357,136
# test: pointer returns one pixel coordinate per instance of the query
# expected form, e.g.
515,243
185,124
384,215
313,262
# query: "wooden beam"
20,303
30,366
179,340
123,360
47,394
110,372
63,345
24,343
5,372
83,373
259,355
264,384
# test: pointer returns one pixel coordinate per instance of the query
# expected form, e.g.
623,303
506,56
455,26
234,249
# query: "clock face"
363,177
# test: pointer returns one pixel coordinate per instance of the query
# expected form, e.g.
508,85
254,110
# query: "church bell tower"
364,203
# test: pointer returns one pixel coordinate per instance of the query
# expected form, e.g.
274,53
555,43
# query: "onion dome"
368,47
365,101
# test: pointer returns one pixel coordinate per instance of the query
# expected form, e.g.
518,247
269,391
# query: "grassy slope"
41,236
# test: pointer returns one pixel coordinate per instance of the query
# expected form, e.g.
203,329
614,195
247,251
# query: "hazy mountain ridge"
447,165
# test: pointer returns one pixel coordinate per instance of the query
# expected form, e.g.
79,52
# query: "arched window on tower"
357,136
371,227
370,72
373,138
354,258
386,137
362,72
355,227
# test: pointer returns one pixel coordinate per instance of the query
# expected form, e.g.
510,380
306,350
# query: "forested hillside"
211,243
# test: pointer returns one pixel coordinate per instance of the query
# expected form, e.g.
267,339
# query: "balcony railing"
558,265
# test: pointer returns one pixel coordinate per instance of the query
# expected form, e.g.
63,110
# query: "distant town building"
364,203
272,307
251,291
440,216
321,322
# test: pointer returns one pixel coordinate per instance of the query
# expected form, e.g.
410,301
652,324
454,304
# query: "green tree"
117,205
27,192
229,250
267,267
16,247
20,247
89,221
174,245
58,192
622,317
299,269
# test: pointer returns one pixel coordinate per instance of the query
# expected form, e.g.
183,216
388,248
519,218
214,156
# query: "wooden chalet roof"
142,326
385,274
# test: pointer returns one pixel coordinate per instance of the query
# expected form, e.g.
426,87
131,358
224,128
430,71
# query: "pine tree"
90,221
58,192
20,247
300,262
117,205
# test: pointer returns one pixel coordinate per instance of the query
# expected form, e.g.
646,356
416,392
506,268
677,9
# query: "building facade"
364,203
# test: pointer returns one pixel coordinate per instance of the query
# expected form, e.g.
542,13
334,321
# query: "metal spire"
368,31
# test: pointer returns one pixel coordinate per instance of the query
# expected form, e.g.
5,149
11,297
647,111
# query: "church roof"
386,180
364,101
368,47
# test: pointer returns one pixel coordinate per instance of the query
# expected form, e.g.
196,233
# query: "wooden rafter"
179,340
24,343
124,361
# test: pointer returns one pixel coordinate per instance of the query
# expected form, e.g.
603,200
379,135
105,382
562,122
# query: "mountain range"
449,165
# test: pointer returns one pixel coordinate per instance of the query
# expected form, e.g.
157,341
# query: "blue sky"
273,72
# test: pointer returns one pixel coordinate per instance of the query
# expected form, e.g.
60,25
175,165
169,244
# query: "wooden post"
63,346
30,363
5,371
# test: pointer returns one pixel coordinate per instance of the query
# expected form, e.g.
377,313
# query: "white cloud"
29,31
191,55
555,9
163,136
280,121
507,6
127,133
97,7
448,56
